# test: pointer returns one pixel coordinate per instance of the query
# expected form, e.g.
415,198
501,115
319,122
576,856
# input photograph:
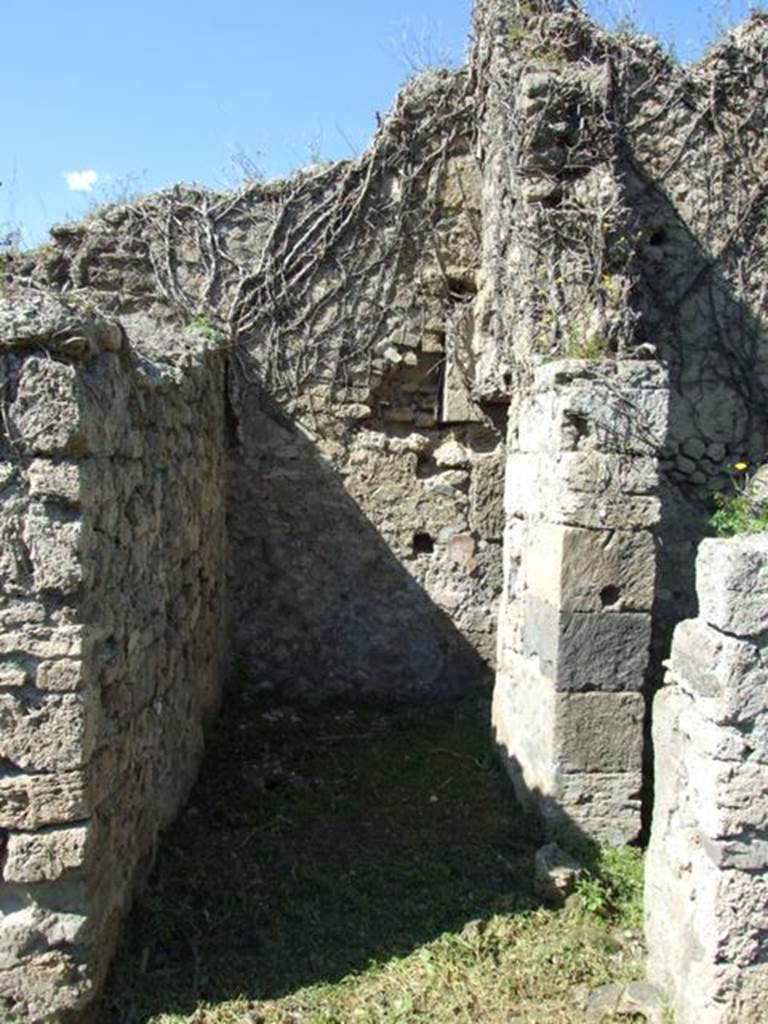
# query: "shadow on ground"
317,842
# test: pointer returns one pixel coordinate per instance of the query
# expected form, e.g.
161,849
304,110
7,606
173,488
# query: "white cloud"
81,181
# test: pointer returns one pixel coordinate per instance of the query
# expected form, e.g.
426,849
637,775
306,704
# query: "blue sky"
103,98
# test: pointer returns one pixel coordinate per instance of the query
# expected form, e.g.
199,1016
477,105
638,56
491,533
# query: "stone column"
706,893
579,577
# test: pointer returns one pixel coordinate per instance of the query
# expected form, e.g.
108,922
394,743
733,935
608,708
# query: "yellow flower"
741,466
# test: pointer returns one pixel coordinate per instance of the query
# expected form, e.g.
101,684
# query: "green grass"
366,867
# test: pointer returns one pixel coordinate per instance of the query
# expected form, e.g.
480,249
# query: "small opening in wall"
423,544
609,596
552,201
659,237
461,289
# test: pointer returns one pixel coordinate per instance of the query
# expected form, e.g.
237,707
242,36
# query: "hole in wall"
9,768
423,544
462,289
552,201
609,596
658,237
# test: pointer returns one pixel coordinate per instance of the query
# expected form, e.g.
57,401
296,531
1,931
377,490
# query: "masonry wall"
111,597
379,533
706,896
370,563
623,214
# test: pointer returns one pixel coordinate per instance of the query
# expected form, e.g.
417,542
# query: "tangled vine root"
302,278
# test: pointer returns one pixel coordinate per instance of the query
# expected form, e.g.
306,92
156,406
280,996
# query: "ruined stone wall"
581,500
624,215
573,227
111,599
706,896
345,296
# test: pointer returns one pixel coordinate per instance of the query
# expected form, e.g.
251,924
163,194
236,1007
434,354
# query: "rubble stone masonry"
111,573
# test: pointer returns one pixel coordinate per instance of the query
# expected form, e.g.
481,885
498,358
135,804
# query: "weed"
588,346
613,884
738,513
733,515
202,326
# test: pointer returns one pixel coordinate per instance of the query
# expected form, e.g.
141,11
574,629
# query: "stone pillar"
578,586
706,893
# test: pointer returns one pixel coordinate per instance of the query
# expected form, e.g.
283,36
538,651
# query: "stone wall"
706,869
370,563
623,213
366,561
579,569
111,598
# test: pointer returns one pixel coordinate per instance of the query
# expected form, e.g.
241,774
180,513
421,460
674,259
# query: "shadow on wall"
709,339
319,604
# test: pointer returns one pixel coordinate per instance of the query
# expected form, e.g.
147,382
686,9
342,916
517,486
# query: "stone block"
747,853
589,489
64,676
45,987
555,874
605,806
668,750
457,404
54,548
40,641
573,759
14,674
523,721
460,183
35,801
626,374
54,481
732,584
606,410
45,416
729,913
590,570
726,798
587,650
602,474
599,732
704,737
486,491
728,675
52,733
45,856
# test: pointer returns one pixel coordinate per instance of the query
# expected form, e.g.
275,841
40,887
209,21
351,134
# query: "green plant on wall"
202,326
587,345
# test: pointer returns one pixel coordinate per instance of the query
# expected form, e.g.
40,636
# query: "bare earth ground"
369,866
